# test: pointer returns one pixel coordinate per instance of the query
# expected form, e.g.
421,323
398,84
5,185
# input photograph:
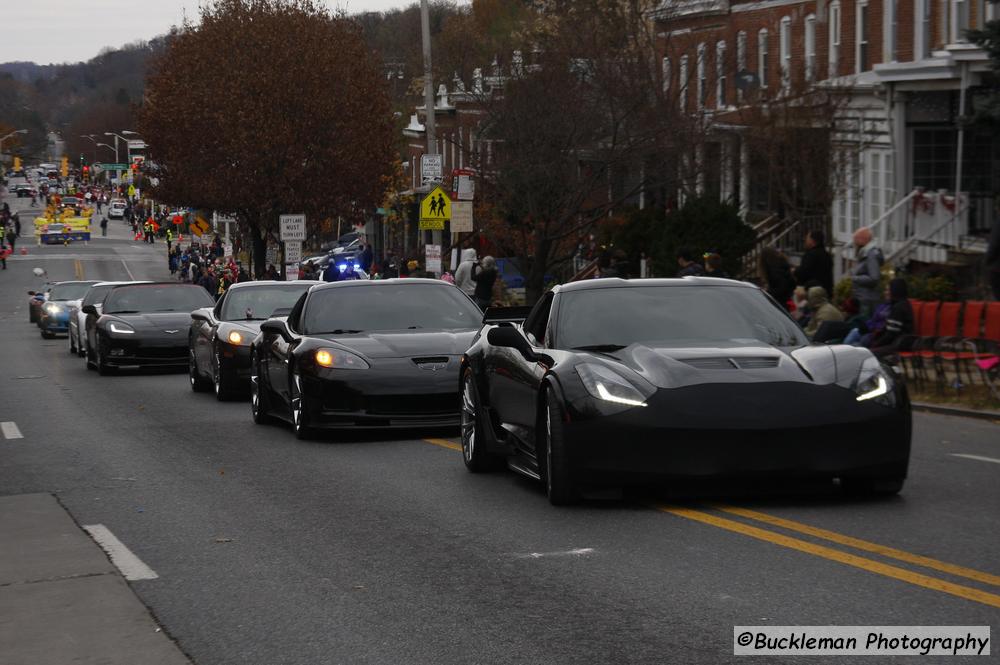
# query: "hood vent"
765,362
434,360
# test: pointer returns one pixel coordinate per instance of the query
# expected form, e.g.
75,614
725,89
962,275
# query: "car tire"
557,474
72,343
198,383
81,349
91,365
473,428
300,411
102,367
46,334
259,404
885,486
221,382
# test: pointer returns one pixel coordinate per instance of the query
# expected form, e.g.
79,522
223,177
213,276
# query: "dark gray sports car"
615,381
364,354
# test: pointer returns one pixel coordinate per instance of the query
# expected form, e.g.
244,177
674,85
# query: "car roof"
77,281
182,284
618,282
139,281
323,286
271,282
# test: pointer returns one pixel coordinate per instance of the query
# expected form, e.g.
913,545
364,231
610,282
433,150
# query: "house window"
665,73
741,60
834,38
861,62
880,188
890,12
720,75
944,33
785,48
682,83
762,57
959,20
702,76
922,29
810,47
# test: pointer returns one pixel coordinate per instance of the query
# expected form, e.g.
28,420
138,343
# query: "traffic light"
86,172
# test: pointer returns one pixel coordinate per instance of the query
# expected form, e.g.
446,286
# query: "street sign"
227,249
430,167
292,272
200,226
293,227
463,185
111,167
293,251
136,144
461,217
435,210
432,258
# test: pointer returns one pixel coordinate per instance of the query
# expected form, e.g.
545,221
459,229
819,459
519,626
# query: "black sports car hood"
677,366
158,321
405,343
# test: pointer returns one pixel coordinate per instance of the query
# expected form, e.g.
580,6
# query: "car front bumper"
748,431
155,352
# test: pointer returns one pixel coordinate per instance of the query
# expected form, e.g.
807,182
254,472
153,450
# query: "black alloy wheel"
559,484
220,382
102,367
477,459
197,381
258,396
300,414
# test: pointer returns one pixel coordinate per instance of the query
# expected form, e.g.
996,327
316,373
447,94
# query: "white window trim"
785,51
741,58
834,37
945,29
861,4
665,73
922,37
762,49
682,83
810,47
720,74
956,36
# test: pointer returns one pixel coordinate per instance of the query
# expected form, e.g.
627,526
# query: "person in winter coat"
713,266
816,268
820,310
688,267
463,274
485,276
776,273
867,272
898,322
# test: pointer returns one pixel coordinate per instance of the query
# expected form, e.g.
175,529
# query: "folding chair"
925,322
956,350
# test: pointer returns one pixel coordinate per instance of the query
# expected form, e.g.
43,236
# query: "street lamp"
92,140
4,138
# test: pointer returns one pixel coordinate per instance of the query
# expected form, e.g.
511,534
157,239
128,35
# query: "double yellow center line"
78,269
830,553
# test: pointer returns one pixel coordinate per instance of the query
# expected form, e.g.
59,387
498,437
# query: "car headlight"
604,384
236,338
120,328
53,308
339,359
874,383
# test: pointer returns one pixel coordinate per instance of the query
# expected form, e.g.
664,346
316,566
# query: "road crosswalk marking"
10,430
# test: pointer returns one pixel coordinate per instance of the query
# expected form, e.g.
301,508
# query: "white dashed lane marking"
127,562
976,457
10,430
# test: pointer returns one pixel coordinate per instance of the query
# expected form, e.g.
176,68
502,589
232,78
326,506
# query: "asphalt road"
385,550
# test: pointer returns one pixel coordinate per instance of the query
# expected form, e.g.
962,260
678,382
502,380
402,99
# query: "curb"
955,411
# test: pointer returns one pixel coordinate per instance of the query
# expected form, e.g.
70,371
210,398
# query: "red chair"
987,347
929,347
955,350
925,322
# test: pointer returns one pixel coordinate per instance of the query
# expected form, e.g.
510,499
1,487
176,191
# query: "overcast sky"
54,31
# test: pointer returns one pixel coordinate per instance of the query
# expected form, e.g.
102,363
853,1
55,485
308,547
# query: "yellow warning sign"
435,210
199,226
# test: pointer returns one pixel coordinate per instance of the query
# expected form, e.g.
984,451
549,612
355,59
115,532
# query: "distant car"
117,209
364,354
23,191
55,313
219,338
71,202
78,319
143,325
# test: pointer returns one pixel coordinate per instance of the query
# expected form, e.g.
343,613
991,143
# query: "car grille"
409,405
764,362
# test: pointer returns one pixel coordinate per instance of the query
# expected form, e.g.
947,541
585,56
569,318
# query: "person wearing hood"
816,267
821,310
898,321
463,274
866,274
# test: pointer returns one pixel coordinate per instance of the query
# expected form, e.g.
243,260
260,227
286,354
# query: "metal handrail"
781,235
765,221
894,208
908,245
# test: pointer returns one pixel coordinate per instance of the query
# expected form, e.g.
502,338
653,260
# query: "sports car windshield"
150,298
389,307
96,294
612,318
73,291
258,302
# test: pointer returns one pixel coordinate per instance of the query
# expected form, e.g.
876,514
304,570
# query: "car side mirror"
201,314
512,338
277,327
89,309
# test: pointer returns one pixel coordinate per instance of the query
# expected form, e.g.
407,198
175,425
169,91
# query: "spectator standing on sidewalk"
484,274
816,268
866,274
776,273
688,266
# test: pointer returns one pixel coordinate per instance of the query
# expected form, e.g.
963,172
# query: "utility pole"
425,29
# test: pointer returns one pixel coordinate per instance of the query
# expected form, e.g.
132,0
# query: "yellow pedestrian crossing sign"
435,210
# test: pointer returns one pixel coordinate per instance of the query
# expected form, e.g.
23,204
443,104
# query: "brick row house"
897,66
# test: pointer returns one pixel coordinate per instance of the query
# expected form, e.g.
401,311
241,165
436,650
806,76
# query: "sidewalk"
62,600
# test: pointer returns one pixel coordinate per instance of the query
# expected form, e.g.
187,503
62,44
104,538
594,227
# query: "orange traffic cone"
24,251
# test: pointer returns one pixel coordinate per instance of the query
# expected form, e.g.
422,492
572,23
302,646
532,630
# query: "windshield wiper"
342,331
168,309
124,311
605,348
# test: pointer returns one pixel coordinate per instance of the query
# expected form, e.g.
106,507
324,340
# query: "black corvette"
614,381
219,337
364,354
142,325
